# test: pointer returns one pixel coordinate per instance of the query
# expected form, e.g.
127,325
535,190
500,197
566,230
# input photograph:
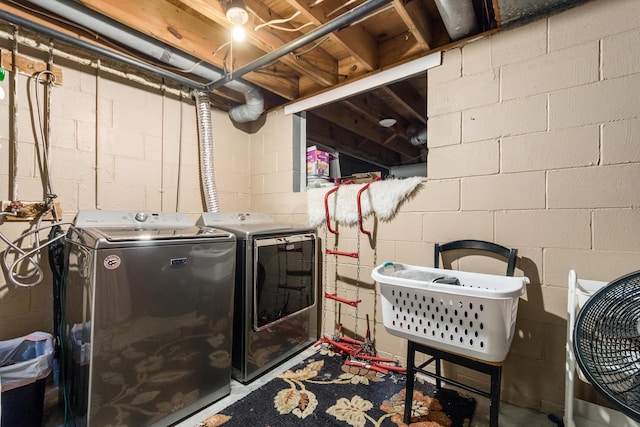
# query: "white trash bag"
25,360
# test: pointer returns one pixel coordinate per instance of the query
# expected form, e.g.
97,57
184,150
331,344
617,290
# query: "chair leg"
438,372
408,398
494,408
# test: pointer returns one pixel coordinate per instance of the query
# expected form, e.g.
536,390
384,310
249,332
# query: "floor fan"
604,338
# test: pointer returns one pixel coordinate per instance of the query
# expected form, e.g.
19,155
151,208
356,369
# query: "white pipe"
179,172
14,114
97,136
33,44
162,138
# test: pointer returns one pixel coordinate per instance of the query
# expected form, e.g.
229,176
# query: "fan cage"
607,342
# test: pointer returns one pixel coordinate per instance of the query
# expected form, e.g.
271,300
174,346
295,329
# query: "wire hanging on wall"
24,269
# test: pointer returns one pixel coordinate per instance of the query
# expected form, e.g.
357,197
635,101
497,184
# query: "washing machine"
147,317
276,290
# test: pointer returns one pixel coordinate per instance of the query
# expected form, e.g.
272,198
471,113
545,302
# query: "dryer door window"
284,281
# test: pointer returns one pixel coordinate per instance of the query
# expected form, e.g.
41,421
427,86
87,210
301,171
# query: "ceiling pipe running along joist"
151,47
133,39
335,24
90,47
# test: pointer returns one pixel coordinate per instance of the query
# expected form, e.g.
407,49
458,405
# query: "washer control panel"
125,219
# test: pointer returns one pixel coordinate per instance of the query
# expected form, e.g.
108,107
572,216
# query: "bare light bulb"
238,33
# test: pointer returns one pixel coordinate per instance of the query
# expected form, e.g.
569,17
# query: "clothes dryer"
276,290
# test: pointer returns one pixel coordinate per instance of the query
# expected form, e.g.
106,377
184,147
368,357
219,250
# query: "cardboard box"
317,162
360,178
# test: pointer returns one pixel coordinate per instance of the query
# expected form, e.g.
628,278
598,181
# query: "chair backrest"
510,255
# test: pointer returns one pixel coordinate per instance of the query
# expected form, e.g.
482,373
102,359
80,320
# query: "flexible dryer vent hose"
205,136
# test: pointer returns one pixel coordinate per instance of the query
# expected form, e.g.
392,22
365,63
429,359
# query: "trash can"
25,363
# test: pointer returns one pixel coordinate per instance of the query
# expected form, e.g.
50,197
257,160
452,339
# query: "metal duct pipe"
517,12
335,24
251,110
46,31
205,135
406,171
133,39
420,138
458,17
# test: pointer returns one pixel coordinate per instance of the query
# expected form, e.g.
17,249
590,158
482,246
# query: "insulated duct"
417,134
205,135
126,36
420,138
407,171
518,12
458,17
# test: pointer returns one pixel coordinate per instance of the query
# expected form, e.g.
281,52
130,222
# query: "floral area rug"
323,391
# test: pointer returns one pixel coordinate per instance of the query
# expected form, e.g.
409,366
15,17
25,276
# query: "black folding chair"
493,369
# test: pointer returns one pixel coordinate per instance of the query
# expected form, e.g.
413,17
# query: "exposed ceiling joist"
390,33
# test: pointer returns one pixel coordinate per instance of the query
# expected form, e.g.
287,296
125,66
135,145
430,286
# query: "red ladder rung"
342,300
334,252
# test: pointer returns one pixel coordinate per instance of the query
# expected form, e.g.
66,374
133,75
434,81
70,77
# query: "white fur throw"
382,198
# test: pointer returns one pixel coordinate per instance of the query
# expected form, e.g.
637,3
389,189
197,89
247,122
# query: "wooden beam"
368,130
353,39
188,32
417,25
28,66
327,133
411,101
423,21
318,65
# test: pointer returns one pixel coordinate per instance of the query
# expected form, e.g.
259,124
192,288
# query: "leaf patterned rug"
323,391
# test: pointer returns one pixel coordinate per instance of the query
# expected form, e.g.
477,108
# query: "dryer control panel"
233,218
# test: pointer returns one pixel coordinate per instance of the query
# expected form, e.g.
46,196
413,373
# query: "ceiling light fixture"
237,15
387,123
238,33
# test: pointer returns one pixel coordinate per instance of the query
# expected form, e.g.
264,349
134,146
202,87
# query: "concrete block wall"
533,136
271,168
115,144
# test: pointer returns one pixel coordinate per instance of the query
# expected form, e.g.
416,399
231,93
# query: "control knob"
141,216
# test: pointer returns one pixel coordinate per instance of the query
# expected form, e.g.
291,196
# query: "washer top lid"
132,219
117,234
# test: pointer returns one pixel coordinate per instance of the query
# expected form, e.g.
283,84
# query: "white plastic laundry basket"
475,319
